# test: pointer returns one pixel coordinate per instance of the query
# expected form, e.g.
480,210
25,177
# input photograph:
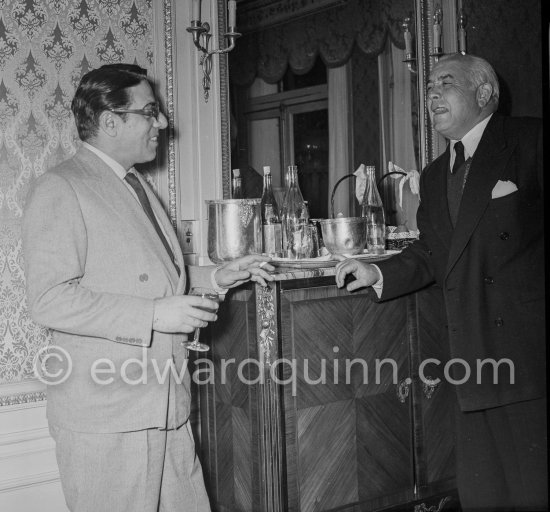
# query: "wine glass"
206,293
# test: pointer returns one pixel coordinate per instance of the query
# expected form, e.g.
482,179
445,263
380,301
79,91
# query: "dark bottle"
271,220
236,185
373,210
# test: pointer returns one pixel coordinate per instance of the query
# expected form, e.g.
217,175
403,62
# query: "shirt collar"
113,164
472,138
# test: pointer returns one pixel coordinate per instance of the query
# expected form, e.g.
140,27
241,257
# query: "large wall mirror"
299,69
323,86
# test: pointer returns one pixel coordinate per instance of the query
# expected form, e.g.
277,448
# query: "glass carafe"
295,218
373,210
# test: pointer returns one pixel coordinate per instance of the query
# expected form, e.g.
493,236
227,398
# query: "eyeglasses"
149,111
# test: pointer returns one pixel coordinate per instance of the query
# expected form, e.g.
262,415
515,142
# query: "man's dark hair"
102,89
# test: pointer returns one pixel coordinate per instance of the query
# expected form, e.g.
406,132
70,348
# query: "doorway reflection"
282,124
310,140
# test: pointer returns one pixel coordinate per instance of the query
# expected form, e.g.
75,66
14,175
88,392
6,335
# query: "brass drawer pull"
429,385
403,389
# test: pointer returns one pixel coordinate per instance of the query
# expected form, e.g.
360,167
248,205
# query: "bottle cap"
236,173
267,169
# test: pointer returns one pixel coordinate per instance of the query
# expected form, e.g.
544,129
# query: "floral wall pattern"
45,47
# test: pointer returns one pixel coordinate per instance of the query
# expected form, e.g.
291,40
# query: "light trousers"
145,471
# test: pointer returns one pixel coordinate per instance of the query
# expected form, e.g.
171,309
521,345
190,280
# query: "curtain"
340,136
331,34
397,134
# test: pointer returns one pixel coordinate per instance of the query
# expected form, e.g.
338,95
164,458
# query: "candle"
196,10
462,32
408,42
437,36
462,40
232,6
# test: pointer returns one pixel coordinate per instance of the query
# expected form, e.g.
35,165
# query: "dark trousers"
502,458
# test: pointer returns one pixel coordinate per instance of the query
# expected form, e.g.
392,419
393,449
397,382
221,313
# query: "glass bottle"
236,185
373,210
283,211
295,219
271,221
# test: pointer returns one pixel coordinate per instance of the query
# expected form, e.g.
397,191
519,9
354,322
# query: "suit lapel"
167,227
486,169
110,188
437,192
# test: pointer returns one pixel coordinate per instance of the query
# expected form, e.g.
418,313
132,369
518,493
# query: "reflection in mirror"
326,90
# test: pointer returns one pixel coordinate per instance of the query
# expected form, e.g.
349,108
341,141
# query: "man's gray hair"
479,70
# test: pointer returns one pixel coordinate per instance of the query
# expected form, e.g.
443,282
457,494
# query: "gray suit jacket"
94,264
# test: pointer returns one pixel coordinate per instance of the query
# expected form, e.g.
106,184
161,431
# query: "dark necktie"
459,157
455,182
134,182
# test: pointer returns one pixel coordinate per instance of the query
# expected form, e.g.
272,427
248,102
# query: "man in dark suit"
481,240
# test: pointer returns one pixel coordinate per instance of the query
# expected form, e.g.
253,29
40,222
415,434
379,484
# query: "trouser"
502,458
144,471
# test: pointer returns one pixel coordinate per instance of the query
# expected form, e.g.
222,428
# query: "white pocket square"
503,188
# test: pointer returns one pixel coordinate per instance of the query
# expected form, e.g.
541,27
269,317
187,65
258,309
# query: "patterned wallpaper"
45,47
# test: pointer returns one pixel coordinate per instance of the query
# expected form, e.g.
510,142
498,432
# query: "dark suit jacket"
490,267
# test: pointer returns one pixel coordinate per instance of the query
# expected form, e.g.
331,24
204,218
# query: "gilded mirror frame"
224,105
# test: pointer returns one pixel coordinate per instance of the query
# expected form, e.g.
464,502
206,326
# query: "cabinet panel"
229,433
338,421
434,397
348,436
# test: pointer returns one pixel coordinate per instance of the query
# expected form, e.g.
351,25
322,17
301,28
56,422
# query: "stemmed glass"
206,293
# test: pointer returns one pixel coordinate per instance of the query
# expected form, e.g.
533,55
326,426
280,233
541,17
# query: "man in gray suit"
105,272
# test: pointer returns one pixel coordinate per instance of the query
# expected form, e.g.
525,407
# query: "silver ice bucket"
234,228
345,235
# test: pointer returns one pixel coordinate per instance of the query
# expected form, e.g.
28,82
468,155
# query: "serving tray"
326,261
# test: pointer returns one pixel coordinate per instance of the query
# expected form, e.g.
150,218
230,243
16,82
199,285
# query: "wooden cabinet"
315,403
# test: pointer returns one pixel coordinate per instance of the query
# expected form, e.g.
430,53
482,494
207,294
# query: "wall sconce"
437,47
409,54
201,39
462,20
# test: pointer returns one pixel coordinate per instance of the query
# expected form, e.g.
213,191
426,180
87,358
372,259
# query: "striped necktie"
134,182
455,182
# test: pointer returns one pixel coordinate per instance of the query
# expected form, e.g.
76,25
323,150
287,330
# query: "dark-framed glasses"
149,111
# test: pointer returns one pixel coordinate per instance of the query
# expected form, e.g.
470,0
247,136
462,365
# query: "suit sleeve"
412,269
54,246
540,154
203,277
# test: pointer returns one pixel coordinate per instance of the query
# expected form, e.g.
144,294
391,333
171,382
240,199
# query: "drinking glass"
206,293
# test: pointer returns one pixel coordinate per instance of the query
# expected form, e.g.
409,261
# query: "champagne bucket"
344,235
234,228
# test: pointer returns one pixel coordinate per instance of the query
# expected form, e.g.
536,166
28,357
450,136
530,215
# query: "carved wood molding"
267,324
168,48
269,404
30,392
257,14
